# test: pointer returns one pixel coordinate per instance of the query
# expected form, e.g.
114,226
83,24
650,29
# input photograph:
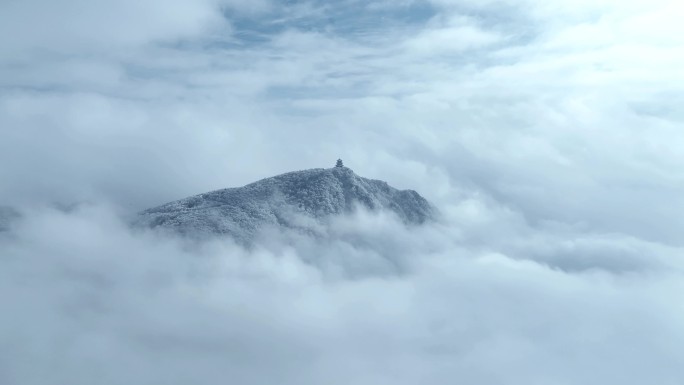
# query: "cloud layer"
547,133
375,303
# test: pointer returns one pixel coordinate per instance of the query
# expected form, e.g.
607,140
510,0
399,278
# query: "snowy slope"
300,200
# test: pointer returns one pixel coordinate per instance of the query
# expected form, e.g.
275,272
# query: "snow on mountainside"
297,200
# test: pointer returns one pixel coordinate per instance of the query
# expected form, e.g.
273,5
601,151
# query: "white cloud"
81,288
77,26
548,133
453,36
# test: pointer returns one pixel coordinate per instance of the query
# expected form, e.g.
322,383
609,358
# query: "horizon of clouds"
546,132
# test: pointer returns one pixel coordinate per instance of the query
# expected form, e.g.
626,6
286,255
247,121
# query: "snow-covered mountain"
297,200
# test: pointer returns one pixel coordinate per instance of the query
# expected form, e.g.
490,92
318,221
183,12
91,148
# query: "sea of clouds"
547,133
88,299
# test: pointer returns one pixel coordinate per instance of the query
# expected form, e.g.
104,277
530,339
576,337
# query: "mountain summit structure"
296,200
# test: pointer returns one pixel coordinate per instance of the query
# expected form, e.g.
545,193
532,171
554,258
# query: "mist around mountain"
548,133
7,217
304,201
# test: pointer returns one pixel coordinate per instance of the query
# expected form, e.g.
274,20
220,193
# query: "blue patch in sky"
351,19
367,23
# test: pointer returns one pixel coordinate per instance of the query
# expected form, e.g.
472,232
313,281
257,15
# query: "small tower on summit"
339,163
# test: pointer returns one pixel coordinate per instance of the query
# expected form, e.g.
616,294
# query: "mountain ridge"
296,200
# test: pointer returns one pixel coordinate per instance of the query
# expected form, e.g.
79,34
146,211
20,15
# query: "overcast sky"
549,133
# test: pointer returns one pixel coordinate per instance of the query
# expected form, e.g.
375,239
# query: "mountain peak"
290,200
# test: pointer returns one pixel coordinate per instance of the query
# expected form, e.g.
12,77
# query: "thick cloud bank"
549,133
88,300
